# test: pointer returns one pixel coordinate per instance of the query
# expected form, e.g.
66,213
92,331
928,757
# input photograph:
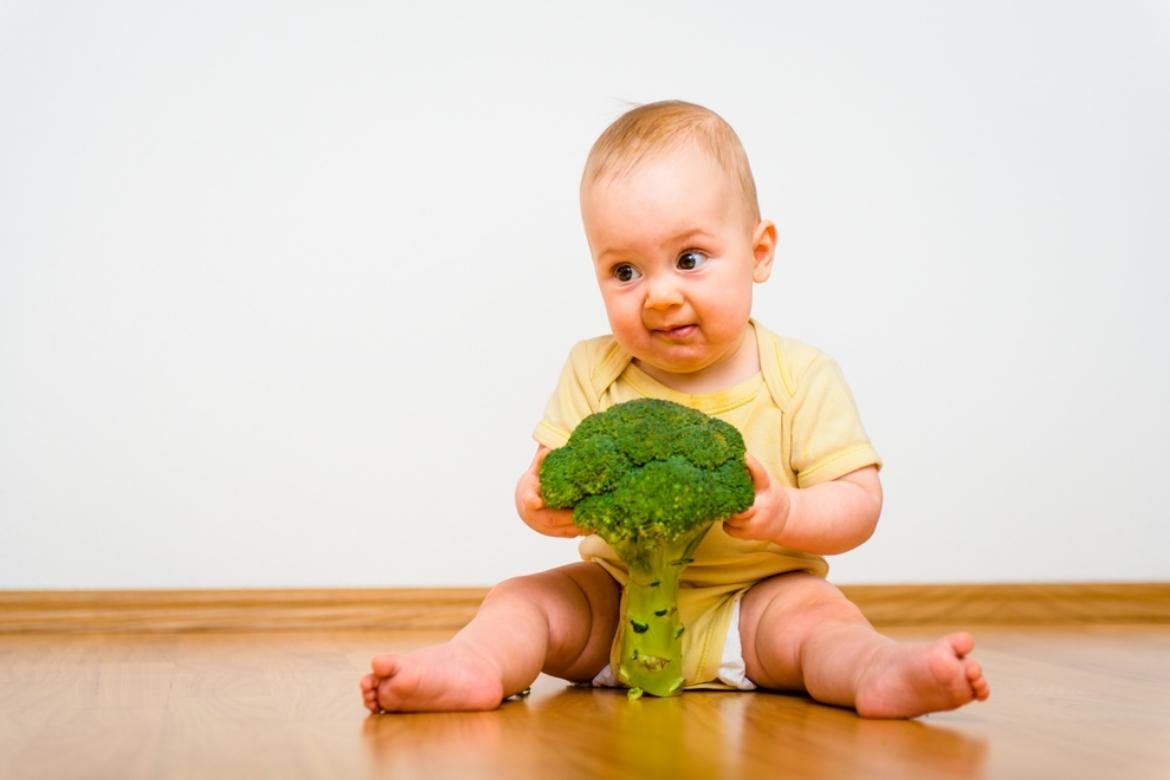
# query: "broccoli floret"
650,477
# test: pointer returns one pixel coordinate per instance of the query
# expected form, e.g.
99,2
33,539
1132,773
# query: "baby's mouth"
676,333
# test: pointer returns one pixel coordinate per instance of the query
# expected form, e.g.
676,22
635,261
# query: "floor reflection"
571,732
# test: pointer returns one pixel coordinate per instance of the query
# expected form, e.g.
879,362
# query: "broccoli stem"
651,634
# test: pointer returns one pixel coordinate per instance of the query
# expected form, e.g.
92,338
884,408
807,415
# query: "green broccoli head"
648,471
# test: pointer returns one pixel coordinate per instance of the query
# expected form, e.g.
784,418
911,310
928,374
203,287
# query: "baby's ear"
763,250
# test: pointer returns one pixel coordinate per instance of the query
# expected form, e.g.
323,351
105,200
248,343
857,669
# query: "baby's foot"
445,677
906,680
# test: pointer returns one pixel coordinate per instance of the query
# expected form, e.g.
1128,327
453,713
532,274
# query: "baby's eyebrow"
687,235
673,241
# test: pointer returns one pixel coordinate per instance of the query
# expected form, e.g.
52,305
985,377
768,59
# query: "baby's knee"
521,588
578,585
538,589
833,610
804,597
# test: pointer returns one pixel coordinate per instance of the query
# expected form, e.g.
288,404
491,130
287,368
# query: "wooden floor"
1067,702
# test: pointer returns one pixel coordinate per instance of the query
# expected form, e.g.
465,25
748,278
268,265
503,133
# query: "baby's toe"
384,666
962,643
979,684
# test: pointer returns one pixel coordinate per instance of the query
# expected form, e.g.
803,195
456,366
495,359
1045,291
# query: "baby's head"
656,128
671,216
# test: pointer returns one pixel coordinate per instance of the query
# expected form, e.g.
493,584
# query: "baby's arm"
533,511
825,519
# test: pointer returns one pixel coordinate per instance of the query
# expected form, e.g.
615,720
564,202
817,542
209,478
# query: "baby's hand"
765,519
534,512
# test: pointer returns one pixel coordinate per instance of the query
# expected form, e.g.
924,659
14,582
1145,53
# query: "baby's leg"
561,622
800,633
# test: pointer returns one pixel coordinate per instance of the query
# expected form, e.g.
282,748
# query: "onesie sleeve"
828,440
572,401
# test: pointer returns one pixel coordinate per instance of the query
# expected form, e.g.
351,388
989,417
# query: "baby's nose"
662,294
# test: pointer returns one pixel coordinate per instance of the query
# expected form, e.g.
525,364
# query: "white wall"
283,287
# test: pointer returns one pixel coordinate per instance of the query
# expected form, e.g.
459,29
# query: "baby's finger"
739,519
559,518
736,531
760,478
563,531
529,500
541,453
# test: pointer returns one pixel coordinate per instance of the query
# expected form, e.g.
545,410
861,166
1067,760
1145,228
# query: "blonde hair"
663,125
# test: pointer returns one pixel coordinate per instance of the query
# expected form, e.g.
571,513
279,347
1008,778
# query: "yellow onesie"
797,418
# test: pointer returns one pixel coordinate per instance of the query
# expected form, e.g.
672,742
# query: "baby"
673,225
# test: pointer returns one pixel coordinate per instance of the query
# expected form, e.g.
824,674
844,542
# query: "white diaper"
732,670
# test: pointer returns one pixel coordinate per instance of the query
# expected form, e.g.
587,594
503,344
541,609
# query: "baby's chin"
681,368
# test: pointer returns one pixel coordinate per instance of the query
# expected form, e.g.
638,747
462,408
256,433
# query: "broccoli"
650,477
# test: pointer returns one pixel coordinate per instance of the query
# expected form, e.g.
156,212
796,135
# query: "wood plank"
1030,603
237,610
449,608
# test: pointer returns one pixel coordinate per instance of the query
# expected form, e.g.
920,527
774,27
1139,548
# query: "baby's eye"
626,273
690,260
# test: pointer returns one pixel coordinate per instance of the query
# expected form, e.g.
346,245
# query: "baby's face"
676,256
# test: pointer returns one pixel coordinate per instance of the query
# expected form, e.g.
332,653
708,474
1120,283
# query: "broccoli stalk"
651,654
650,477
